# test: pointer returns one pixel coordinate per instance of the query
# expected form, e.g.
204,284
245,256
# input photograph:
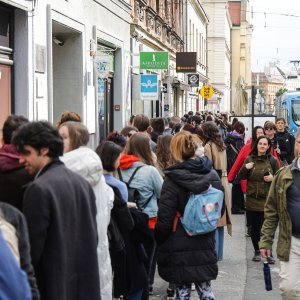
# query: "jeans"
204,291
135,296
219,239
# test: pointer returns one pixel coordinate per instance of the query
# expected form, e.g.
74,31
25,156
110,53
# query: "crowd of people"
78,223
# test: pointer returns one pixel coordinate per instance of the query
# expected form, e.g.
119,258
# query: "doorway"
67,70
106,107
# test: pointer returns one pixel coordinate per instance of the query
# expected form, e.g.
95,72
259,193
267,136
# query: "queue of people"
96,224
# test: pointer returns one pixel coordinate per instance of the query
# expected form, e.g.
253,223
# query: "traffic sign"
206,91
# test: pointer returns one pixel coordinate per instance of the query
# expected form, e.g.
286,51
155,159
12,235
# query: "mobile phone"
267,173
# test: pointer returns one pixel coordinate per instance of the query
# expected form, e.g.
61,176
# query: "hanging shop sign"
206,91
149,87
186,62
193,80
154,60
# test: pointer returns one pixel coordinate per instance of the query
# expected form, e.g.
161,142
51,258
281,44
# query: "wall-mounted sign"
193,80
164,88
154,60
206,91
117,107
149,87
186,62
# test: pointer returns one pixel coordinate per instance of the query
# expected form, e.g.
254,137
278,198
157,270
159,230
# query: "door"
105,98
5,93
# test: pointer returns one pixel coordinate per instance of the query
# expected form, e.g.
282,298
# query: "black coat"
234,144
60,209
182,258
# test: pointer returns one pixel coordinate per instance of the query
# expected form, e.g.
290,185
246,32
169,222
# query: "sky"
276,33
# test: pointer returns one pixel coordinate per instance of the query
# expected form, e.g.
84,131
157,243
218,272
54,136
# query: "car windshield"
296,111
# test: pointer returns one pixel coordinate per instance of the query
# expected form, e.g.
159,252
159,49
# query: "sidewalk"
239,278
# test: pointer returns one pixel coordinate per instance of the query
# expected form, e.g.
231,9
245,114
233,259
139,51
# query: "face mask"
200,151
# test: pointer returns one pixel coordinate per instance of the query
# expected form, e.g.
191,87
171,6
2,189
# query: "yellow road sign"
206,91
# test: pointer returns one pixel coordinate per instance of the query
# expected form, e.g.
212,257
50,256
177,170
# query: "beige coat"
10,236
219,160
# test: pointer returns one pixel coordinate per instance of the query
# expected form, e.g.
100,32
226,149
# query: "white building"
69,55
195,39
218,51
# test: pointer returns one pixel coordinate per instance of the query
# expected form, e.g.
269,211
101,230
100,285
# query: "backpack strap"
131,177
234,149
133,174
128,186
272,161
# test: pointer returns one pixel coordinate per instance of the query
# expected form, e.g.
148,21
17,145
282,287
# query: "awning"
180,85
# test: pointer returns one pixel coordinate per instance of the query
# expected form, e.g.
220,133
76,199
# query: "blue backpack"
202,212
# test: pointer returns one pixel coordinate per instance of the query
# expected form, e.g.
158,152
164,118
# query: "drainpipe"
49,64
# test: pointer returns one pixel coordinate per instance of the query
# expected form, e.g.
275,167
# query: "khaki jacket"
276,213
219,160
257,188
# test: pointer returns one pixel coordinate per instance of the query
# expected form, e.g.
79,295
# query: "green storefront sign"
154,60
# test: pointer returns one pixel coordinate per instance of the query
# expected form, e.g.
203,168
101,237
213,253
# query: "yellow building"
241,34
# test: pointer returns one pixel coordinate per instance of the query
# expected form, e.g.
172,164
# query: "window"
296,111
5,23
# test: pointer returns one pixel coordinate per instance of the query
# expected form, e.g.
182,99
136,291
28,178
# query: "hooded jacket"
147,181
182,258
13,177
87,163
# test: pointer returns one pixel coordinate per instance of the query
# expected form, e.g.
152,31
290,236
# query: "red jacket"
245,151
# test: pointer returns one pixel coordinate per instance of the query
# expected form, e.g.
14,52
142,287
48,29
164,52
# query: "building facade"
241,34
157,26
195,40
268,87
219,52
71,55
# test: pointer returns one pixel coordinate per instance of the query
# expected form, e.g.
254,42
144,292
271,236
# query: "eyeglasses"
269,128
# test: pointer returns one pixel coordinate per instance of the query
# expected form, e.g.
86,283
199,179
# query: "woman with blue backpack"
185,258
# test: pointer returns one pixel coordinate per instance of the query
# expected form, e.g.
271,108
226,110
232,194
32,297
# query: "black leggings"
255,219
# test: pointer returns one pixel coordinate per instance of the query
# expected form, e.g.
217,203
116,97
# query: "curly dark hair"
210,133
117,138
11,124
39,135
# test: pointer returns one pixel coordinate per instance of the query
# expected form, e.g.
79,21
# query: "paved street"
239,278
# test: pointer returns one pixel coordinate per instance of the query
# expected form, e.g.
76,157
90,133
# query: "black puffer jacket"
182,258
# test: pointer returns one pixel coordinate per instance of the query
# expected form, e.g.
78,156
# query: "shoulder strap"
234,149
133,174
120,175
272,160
131,177
212,155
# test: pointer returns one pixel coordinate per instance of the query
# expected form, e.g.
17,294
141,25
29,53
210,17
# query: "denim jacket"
147,181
